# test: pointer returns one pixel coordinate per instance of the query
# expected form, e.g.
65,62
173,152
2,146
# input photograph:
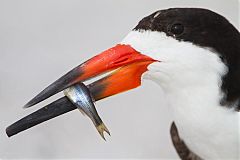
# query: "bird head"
174,47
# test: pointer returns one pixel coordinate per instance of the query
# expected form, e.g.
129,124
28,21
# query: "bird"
193,54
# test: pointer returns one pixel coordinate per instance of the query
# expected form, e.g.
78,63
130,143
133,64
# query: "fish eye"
176,29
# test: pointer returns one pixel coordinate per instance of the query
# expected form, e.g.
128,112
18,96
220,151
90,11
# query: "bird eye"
177,29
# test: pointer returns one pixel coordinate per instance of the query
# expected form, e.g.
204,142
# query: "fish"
82,98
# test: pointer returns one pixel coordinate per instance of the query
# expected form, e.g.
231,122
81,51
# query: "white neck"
208,129
191,78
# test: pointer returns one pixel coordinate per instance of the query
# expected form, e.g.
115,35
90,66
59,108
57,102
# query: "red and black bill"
127,66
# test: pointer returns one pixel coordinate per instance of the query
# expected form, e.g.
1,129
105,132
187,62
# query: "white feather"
191,78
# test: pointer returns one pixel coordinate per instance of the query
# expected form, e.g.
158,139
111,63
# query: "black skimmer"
193,54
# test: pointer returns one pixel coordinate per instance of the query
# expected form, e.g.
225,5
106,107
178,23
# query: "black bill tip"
59,85
50,111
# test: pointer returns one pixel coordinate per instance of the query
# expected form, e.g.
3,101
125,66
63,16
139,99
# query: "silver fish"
81,97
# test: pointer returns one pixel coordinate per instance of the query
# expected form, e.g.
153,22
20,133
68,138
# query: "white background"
41,40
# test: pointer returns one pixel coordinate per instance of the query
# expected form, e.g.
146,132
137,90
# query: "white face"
181,63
